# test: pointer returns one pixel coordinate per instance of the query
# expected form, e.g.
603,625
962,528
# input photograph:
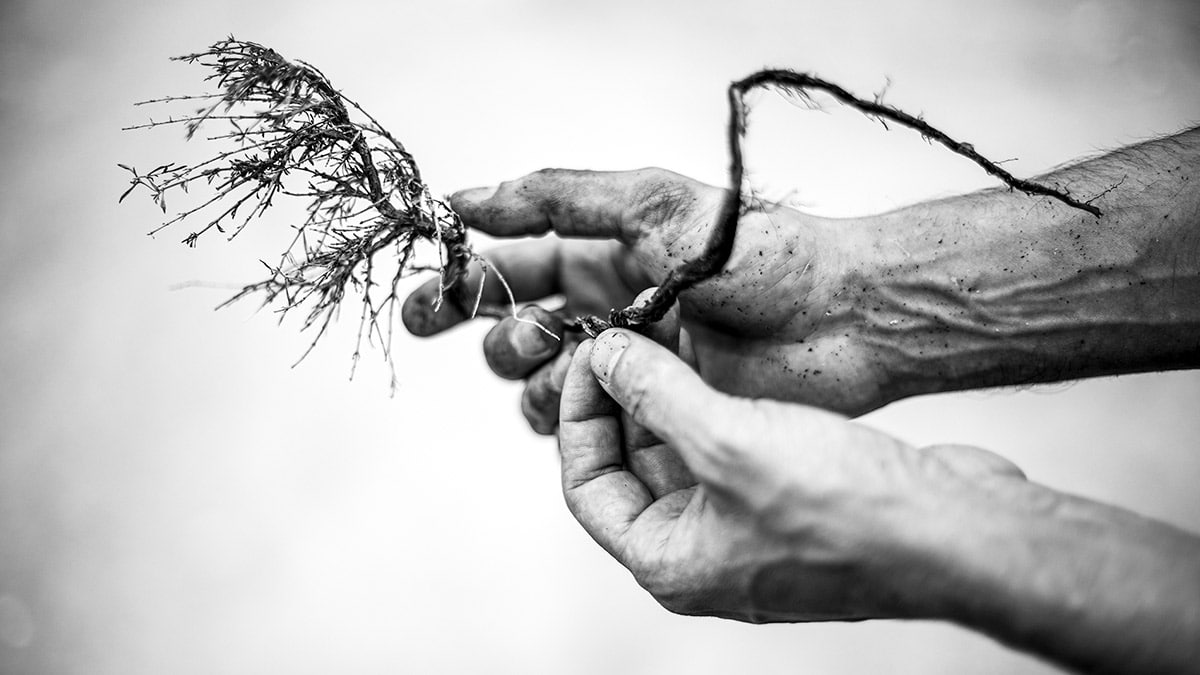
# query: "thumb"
663,394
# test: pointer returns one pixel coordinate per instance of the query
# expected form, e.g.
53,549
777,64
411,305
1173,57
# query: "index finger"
609,204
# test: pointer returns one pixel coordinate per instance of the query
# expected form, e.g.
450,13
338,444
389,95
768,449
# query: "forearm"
1086,585
1000,288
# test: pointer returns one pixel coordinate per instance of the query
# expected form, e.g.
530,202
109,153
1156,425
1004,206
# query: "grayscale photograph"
629,337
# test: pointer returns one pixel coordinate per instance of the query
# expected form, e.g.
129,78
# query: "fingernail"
606,352
532,342
473,195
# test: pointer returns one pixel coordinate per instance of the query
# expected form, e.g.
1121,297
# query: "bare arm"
997,288
1088,585
764,511
988,289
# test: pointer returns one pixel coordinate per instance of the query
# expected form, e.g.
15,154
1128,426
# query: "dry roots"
295,135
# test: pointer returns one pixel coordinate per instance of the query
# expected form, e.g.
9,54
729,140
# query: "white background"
174,498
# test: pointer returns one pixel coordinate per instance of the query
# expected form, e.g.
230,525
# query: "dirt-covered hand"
758,328
793,514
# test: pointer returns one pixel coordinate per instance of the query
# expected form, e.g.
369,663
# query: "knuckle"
540,183
509,186
663,197
548,182
550,190
549,173
657,174
671,591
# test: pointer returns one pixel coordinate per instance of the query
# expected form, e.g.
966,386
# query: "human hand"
751,509
762,326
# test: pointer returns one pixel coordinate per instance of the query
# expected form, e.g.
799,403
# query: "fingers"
516,346
661,393
604,498
530,269
655,463
541,398
616,205
574,203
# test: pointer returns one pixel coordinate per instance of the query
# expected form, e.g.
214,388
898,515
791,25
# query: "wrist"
928,544
1084,584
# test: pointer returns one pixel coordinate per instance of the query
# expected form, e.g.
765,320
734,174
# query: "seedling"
291,134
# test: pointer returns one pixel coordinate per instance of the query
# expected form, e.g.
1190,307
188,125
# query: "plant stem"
719,246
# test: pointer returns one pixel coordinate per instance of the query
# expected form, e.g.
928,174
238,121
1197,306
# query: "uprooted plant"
294,135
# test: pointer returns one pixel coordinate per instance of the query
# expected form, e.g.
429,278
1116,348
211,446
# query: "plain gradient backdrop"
175,498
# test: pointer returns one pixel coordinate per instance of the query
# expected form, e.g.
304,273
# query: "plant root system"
293,134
